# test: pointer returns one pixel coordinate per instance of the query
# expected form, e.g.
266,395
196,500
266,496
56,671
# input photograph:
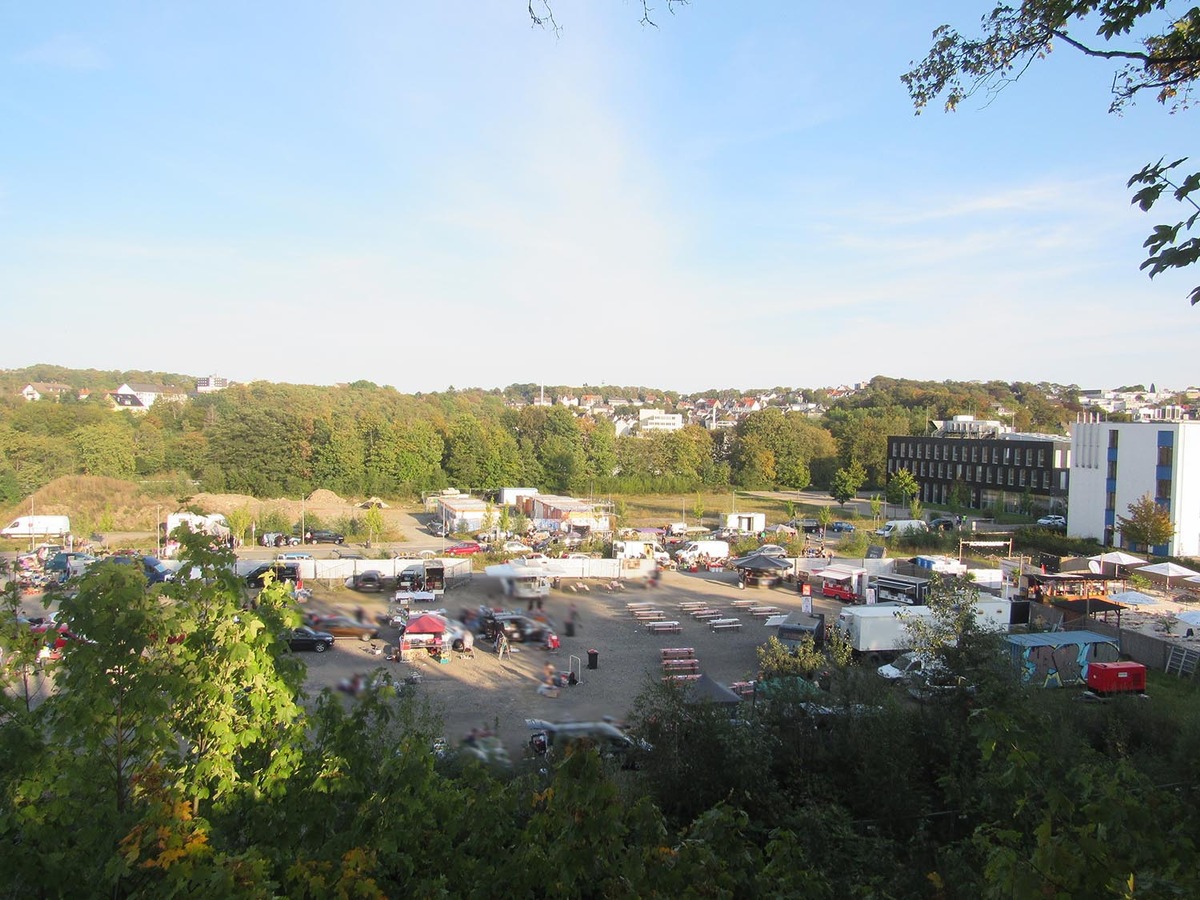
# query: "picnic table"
693,676
743,604
678,653
690,605
681,665
764,611
634,607
661,626
725,624
406,597
707,613
649,615
777,619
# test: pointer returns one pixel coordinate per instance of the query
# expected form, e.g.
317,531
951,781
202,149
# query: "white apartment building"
659,420
1114,464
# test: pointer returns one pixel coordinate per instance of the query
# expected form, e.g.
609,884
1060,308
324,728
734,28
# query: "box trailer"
1059,658
1117,678
880,632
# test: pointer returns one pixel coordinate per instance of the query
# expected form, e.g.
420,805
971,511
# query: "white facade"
1114,464
746,522
659,420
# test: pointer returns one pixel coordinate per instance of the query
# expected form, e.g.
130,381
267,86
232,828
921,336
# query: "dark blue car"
841,526
152,567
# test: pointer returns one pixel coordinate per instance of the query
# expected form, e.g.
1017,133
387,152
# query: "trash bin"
570,629
593,659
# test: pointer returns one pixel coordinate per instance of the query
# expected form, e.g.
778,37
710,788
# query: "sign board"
806,589
806,604
876,551
870,596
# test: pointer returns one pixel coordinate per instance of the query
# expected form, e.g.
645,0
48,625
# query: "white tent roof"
839,572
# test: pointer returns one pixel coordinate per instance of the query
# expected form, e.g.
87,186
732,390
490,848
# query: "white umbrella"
1132,598
1118,558
1168,570
1191,617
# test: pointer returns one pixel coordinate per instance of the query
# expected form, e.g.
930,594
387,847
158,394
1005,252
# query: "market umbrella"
1078,564
781,529
1167,570
1191,617
426,624
759,562
1118,558
1132,598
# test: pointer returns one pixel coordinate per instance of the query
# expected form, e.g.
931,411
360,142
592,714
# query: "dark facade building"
989,463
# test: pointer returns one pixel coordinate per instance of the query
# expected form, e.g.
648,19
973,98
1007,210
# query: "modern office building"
1114,464
991,462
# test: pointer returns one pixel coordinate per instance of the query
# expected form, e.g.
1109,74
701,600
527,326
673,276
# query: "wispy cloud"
65,51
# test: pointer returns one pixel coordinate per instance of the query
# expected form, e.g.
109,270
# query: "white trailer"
879,630
37,526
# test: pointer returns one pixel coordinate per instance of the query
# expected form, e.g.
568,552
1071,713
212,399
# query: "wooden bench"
705,614
743,604
692,677
649,615
663,627
681,665
764,611
692,605
727,625
634,607
678,653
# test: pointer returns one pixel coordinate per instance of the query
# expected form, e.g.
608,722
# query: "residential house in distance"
140,396
207,384
992,462
1114,464
44,390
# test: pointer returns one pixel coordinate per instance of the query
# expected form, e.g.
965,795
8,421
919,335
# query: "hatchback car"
305,638
843,527
463,548
943,523
371,580
1053,521
322,536
522,629
515,547
772,550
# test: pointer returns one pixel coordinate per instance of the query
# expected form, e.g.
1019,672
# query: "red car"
463,548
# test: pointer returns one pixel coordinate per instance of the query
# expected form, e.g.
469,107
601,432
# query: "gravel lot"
485,692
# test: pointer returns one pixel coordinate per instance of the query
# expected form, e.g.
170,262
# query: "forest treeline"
273,440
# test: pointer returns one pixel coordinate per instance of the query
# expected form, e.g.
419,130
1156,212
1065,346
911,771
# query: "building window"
979,474
1164,456
1041,457
1007,456
1110,501
1112,438
1029,456
974,454
1022,484
1112,469
1163,490
1011,476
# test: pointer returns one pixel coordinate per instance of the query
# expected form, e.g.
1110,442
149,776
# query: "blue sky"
432,194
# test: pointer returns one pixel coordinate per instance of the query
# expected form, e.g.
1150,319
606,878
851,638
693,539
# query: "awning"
838,572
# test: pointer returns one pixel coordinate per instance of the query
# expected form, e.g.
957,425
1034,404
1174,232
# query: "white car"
773,550
515,547
1053,521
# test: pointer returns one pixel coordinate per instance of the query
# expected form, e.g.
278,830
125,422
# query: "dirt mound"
324,498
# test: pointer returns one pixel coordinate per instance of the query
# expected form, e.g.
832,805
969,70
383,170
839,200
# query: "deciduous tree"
1147,525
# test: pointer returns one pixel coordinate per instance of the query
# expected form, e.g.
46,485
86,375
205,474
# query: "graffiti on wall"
1059,666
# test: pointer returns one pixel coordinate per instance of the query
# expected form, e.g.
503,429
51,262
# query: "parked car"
369,581
463,548
344,626
438,529
515,547
152,568
943,523
322,536
772,550
842,527
279,571
808,526
276,539
293,555
305,638
67,563
1053,521
520,629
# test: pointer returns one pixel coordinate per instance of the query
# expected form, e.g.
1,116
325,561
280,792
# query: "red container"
1116,677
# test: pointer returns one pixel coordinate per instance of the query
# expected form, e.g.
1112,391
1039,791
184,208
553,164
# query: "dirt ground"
485,692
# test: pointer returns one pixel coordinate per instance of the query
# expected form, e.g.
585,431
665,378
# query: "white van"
897,527
37,526
693,550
